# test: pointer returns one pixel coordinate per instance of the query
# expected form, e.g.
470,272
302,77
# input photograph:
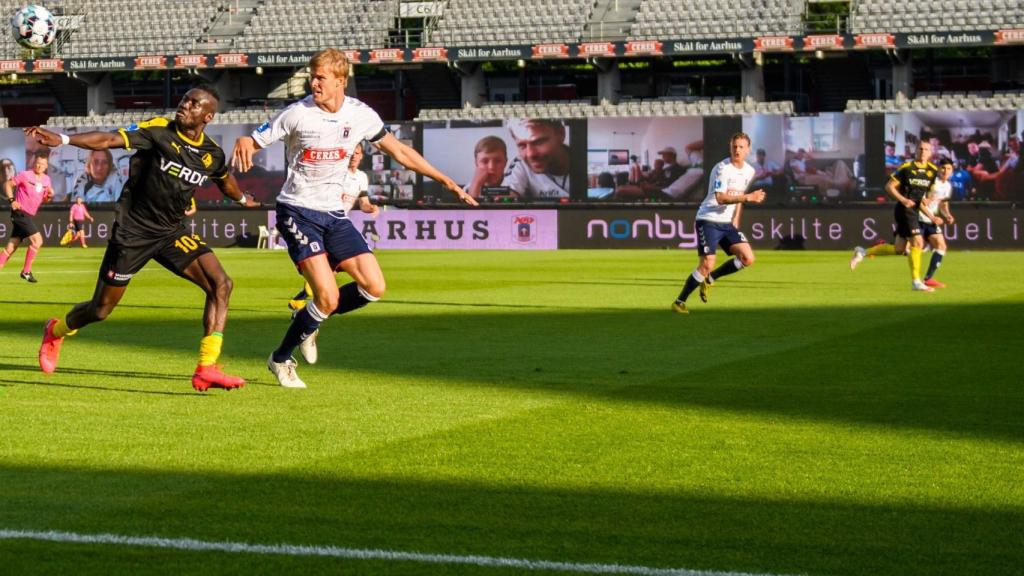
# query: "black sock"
304,323
691,284
351,298
933,266
733,265
301,295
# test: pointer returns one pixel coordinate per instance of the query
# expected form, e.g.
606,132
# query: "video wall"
827,158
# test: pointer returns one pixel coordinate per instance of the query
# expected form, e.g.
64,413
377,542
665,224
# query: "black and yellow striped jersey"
163,175
915,179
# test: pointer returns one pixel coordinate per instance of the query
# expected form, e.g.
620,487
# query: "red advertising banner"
190,61
8,66
773,44
387,55
591,49
226,60
48,65
823,42
550,51
1015,36
863,41
426,55
644,48
151,62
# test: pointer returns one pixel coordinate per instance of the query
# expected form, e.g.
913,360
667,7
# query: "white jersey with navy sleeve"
357,184
942,190
318,144
728,179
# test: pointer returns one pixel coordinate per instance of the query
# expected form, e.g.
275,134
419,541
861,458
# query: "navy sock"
933,266
304,323
733,265
691,284
301,295
351,298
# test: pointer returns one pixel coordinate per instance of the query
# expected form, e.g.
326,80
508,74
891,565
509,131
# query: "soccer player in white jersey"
933,214
718,221
355,191
320,132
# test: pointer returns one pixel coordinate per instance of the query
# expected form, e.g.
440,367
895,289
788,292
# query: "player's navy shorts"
124,258
710,235
311,232
78,224
907,223
22,225
930,229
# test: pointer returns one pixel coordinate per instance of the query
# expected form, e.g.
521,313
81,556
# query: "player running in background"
26,191
78,215
718,221
174,158
908,185
320,133
934,213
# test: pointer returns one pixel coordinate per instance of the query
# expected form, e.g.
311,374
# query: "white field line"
355,554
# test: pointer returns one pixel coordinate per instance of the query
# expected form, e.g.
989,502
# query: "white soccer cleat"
308,348
285,372
918,286
858,255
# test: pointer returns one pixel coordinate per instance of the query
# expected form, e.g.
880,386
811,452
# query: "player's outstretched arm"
411,159
241,157
229,187
87,140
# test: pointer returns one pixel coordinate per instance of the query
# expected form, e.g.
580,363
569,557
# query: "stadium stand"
144,27
346,24
631,108
661,19
256,115
870,16
509,22
946,101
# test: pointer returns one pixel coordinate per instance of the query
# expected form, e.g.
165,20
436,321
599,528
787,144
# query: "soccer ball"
34,27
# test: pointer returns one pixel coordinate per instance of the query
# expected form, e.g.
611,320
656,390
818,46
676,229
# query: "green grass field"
544,406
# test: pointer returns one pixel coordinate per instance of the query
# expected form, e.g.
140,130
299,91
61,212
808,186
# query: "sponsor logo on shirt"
263,127
315,155
182,172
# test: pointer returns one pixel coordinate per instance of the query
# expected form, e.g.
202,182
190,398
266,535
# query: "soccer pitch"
542,406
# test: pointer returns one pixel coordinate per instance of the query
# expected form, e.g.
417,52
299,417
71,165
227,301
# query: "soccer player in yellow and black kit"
174,158
909,185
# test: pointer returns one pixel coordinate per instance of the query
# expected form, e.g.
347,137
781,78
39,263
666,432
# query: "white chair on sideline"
267,238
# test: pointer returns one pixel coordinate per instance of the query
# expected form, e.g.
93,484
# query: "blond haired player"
320,133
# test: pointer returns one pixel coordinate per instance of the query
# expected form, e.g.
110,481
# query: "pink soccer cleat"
934,283
206,377
49,350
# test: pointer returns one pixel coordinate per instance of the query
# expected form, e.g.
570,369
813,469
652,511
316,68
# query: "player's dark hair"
209,89
945,162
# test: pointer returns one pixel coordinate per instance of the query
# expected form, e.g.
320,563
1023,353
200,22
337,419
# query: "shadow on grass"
4,381
676,530
951,369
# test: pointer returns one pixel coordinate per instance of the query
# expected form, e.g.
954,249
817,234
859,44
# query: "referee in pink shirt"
26,192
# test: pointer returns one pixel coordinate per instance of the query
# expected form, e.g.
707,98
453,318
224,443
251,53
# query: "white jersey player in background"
934,212
320,133
718,221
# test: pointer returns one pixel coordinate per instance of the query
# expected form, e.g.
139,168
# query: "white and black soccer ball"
34,27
